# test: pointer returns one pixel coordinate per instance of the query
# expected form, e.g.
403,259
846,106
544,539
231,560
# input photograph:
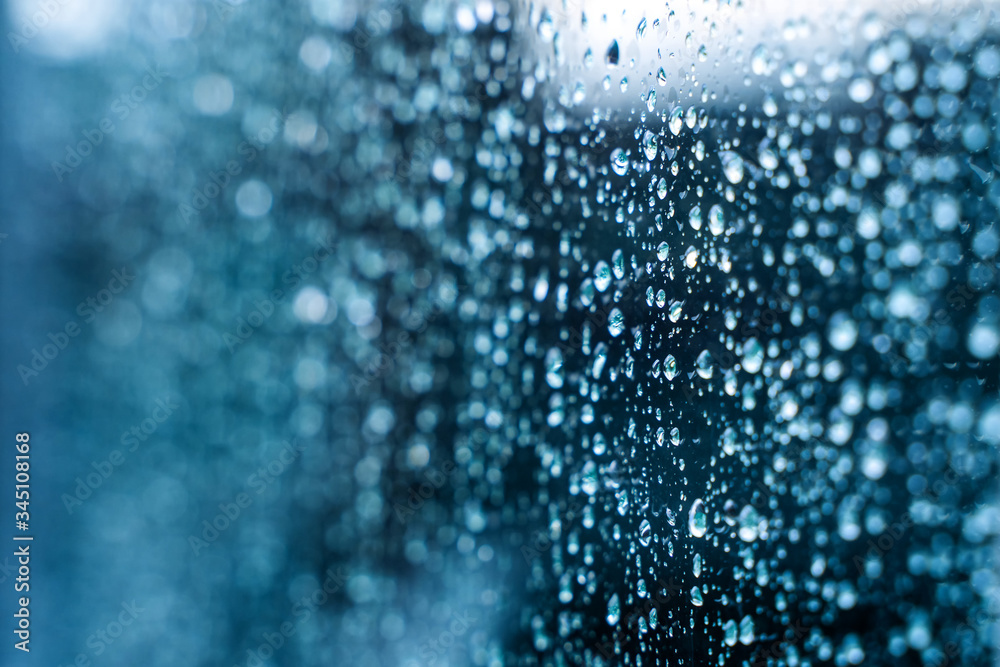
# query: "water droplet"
676,309
622,496
691,257
611,57
753,355
554,368
748,522
602,276
694,218
732,166
588,478
619,161
697,519
618,264
759,62
645,533
614,610
730,632
747,632
670,367
676,120
716,221
703,365
842,331
860,90
649,145
766,157
616,323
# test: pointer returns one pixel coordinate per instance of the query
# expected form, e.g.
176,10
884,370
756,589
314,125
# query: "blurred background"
503,333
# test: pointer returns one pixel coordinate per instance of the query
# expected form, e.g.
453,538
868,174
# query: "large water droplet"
676,120
619,161
614,610
747,633
703,365
753,355
676,310
694,218
618,264
843,331
602,276
716,221
616,323
732,166
649,145
645,533
670,367
611,57
554,368
697,519
748,522
588,478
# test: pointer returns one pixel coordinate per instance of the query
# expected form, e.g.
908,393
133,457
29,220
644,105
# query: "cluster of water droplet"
701,323
778,316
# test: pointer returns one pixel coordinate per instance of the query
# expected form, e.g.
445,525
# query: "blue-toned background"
491,333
